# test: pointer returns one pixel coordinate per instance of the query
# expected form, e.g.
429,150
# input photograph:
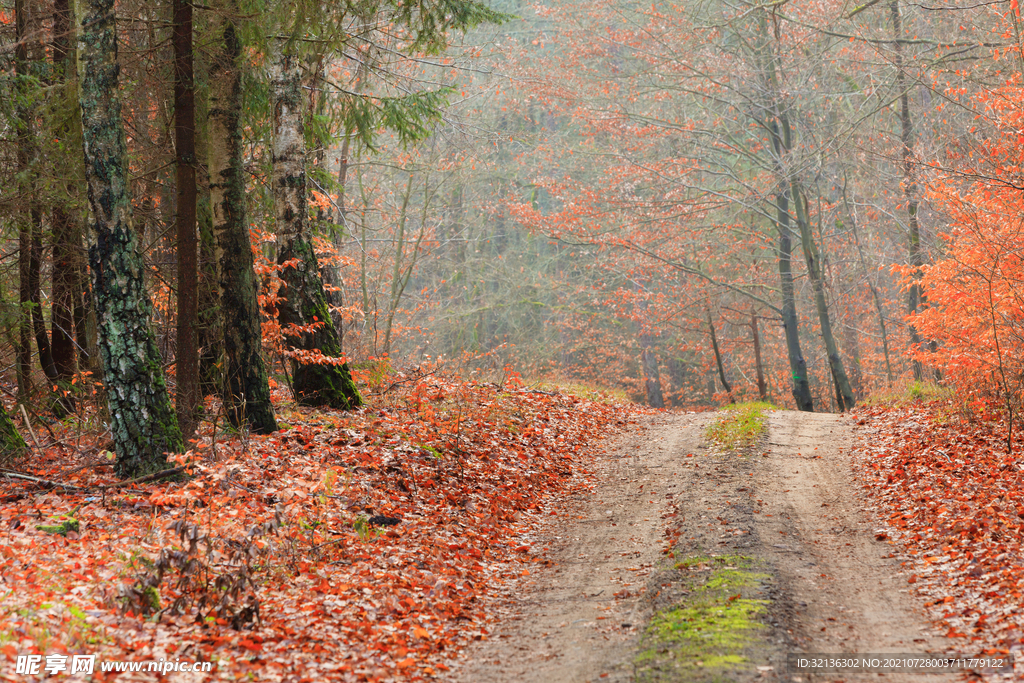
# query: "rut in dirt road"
792,508
848,590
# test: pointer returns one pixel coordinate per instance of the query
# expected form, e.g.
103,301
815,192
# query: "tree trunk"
844,393
67,232
781,134
875,297
852,345
11,444
718,354
211,328
652,377
30,229
914,298
25,230
245,390
188,401
797,364
142,420
762,385
305,301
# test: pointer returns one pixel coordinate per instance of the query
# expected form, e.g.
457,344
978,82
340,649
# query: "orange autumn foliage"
975,301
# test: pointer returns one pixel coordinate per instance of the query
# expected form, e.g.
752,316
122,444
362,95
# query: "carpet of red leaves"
285,522
954,501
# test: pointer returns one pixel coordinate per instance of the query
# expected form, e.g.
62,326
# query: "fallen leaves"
951,497
399,522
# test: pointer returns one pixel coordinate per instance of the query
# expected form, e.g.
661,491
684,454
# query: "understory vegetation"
739,426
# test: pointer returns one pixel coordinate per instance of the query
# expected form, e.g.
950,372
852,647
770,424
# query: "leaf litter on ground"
347,546
953,501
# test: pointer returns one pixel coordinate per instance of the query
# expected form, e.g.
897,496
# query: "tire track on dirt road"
793,505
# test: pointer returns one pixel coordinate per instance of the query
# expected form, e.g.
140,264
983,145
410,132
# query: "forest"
450,245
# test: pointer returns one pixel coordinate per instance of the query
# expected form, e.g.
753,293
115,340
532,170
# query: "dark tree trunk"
916,257
844,393
718,353
781,135
38,323
142,420
11,444
26,223
762,385
305,301
67,233
797,364
245,390
188,401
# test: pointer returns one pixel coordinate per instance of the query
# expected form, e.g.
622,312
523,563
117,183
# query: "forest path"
793,505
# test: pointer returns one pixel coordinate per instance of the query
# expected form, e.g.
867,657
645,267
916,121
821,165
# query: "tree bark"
915,255
188,400
797,364
845,399
245,390
210,334
718,354
762,385
305,301
875,297
68,258
142,419
781,135
11,444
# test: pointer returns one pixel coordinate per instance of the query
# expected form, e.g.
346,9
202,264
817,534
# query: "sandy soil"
792,502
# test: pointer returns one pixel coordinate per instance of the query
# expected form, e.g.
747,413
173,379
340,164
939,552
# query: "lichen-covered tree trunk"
11,443
245,390
305,301
142,420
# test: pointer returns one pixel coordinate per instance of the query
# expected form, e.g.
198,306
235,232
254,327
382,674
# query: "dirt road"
782,534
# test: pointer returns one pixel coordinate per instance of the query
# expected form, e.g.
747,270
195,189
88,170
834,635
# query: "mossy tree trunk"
142,419
211,337
11,443
25,230
245,390
305,300
68,256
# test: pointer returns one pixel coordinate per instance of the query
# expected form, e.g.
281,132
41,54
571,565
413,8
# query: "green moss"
709,633
740,425
11,444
